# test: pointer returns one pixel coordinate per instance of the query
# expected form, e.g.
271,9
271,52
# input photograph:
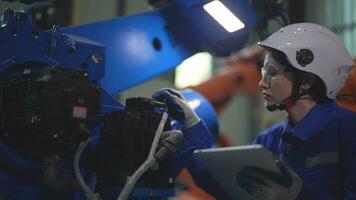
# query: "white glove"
178,108
263,184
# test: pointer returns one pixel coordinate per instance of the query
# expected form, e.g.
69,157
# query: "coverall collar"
313,123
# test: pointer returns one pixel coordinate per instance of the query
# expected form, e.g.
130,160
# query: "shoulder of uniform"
346,120
345,114
271,132
278,127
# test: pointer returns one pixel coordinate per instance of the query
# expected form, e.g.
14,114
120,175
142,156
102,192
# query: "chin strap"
290,101
285,104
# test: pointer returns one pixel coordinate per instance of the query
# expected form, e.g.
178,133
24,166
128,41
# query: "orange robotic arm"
240,75
347,96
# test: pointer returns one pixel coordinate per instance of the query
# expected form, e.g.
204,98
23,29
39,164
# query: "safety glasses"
270,72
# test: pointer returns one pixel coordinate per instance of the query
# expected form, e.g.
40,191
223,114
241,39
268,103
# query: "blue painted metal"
149,194
130,54
140,47
143,193
25,1
21,42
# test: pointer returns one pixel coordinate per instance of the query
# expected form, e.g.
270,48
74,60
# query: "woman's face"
276,84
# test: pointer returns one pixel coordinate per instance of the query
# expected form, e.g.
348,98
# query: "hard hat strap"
296,94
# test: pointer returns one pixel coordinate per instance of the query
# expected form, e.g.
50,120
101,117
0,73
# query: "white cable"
158,135
150,161
90,195
131,182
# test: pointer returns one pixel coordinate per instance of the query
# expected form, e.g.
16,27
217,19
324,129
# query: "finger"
255,178
264,192
287,171
168,97
164,135
249,188
158,95
259,181
257,192
163,96
241,178
265,174
175,108
180,101
250,183
175,93
259,195
244,183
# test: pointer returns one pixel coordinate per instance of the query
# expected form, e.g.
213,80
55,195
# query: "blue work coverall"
321,149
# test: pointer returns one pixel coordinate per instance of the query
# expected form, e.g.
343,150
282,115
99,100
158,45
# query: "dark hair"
317,91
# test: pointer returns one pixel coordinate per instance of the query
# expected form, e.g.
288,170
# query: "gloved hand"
178,108
263,184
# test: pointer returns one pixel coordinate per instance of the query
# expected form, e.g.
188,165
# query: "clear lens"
268,73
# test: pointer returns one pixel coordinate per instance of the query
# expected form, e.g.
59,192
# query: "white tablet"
225,163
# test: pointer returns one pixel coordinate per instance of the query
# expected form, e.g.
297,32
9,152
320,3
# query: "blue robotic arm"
109,56
26,1
143,46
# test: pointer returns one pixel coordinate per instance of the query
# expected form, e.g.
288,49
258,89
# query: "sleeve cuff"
197,137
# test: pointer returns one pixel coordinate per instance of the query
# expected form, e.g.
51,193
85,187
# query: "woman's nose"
263,84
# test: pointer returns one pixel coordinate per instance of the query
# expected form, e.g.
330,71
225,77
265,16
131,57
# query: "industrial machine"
57,102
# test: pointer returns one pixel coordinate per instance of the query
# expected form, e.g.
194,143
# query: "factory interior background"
243,115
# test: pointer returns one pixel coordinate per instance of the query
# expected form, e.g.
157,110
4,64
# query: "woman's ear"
308,81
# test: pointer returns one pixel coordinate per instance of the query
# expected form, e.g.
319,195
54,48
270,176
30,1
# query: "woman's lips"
266,96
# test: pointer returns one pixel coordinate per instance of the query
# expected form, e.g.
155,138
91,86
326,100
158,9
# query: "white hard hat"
313,48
